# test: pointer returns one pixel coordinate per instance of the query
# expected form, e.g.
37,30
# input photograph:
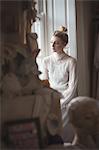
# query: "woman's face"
57,44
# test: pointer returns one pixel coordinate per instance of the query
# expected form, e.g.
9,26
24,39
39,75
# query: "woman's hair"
62,34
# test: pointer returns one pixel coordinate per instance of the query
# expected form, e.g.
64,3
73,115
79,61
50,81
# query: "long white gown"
61,71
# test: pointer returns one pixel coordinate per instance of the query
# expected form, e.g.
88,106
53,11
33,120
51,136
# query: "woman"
60,70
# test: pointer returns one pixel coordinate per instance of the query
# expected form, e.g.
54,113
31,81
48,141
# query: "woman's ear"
64,43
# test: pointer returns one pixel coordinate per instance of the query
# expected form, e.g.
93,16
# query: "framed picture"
23,134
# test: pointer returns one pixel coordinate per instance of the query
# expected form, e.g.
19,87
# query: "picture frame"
23,134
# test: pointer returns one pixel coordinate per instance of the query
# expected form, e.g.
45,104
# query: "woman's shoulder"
71,59
48,58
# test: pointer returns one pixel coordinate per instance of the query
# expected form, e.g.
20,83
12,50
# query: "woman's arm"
70,92
44,71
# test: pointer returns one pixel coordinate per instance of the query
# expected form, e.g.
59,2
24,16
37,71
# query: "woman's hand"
45,83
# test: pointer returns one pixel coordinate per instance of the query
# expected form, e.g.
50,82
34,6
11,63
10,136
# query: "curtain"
95,80
96,65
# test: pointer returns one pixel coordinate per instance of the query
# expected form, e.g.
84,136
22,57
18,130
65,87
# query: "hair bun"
62,29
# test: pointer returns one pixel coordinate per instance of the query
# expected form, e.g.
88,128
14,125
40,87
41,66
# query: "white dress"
61,71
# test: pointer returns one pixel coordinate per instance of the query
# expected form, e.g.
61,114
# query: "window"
51,16
39,26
